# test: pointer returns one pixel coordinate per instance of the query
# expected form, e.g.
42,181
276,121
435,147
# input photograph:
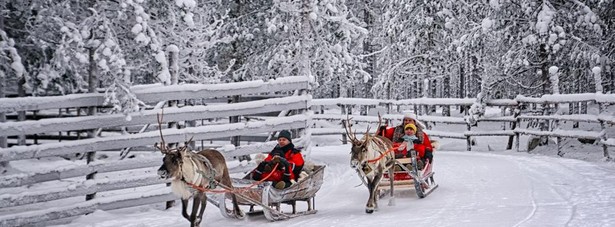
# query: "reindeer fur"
204,169
371,148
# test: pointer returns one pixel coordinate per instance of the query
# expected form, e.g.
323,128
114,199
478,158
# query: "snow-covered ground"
502,188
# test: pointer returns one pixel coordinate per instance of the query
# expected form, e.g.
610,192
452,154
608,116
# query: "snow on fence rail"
171,114
156,93
520,102
149,138
20,193
424,118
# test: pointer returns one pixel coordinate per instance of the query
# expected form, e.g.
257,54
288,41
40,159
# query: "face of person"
283,141
409,132
408,121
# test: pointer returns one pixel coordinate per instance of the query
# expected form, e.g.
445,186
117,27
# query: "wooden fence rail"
19,205
524,106
20,195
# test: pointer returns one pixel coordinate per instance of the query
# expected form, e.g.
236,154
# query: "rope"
381,155
234,190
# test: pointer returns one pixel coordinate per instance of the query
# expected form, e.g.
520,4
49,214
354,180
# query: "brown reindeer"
371,156
188,170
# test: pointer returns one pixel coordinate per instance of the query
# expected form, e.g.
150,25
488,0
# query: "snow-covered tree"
309,38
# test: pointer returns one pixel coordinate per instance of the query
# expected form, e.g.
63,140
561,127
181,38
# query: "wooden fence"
544,110
23,202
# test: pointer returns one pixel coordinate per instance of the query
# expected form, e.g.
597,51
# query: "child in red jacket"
423,149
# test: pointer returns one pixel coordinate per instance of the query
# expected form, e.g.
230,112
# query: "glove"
286,177
401,147
277,159
267,167
381,130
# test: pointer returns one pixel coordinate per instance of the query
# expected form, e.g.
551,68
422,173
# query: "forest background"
384,49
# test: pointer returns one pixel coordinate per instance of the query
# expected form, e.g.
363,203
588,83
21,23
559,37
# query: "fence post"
575,110
236,140
305,133
517,134
544,124
92,85
344,139
556,126
516,113
192,144
344,136
605,150
469,139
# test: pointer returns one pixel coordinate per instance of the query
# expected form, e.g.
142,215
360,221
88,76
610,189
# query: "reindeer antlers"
348,128
163,146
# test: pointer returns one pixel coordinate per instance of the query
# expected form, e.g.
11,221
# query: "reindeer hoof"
369,210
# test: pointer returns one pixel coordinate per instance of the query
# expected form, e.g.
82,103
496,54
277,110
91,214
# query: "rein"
381,156
234,190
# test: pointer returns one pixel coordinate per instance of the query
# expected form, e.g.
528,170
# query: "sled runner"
262,194
407,175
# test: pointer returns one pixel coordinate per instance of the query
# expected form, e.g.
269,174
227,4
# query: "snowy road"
476,189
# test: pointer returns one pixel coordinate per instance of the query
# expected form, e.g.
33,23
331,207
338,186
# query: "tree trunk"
546,88
174,65
544,69
2,114
3,142
446,93
368,49
305,69
462,80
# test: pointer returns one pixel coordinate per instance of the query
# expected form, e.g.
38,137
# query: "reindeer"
370,157
188,170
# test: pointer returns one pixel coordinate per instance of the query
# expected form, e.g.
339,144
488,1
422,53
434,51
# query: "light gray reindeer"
371,157
206,169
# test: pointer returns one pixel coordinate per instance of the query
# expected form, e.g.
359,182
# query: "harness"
199,174
368,166
213,183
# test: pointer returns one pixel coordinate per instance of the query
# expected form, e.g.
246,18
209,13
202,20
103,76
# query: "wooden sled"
407,176
269,199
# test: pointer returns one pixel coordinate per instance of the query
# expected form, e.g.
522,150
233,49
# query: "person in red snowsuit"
423,147
288,159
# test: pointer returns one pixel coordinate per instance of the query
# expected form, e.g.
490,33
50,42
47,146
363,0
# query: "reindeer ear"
182,148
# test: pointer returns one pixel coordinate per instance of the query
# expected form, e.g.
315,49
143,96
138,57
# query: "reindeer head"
170,167
172,162
173,157
358,152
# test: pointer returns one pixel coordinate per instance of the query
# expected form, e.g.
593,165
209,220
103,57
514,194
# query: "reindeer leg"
375,183
195,207
184,209
236,210
227,182
370,207
203,203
